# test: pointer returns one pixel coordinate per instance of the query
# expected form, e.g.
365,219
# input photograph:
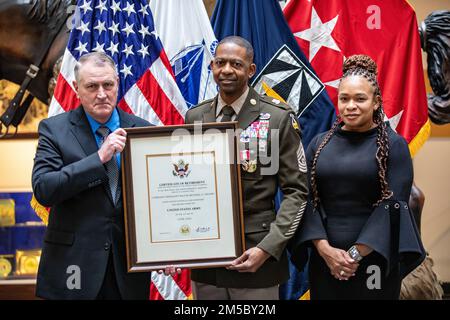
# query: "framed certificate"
182,196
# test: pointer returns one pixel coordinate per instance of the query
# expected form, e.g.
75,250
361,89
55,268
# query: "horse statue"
33,36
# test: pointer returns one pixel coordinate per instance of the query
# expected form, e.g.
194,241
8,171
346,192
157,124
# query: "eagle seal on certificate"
181,169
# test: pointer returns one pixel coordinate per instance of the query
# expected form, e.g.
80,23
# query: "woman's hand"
341,265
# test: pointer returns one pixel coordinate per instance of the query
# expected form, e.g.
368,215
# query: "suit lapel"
126,121
210,115
82,131
249,112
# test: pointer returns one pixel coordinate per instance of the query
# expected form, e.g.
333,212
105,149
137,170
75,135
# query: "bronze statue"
435,41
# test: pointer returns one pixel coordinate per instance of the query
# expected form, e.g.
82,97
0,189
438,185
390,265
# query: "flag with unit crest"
189,42
282,70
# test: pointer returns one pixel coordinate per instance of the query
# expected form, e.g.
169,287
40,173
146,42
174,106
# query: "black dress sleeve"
390,229
311,226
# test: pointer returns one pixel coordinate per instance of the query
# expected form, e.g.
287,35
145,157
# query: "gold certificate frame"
182,196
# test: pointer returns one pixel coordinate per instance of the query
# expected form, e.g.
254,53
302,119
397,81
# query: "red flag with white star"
328,31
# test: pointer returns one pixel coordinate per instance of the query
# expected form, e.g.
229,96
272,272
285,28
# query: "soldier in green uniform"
271,156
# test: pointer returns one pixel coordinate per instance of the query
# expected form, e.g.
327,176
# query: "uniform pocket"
257,226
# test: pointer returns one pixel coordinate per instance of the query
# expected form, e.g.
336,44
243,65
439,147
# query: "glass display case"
21,237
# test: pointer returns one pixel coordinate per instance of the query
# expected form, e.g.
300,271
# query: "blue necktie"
111,167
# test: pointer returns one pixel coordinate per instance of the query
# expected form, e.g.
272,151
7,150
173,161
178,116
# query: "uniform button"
106,246
264,225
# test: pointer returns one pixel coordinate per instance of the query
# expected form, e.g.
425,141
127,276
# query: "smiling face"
357,103
97,88
232,69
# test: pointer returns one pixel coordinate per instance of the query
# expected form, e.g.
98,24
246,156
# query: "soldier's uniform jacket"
266,121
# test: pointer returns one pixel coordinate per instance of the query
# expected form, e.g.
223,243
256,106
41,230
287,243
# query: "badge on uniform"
264,116
244,136
262,146
263,129
249,166
254,130
245,155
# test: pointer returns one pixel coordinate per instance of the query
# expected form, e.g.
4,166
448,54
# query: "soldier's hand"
115,142
170,271
250,260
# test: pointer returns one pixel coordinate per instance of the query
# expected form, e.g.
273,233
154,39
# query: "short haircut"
98,58
241,42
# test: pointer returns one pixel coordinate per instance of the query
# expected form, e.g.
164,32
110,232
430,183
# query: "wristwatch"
354,253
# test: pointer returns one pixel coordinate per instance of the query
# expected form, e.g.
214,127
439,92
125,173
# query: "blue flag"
283,72
189,41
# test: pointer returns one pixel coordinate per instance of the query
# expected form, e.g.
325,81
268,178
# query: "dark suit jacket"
84,224
264,227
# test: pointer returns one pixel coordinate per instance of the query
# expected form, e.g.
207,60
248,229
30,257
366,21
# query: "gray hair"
241,42
98,58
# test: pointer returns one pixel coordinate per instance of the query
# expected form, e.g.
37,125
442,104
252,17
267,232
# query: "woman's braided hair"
364,66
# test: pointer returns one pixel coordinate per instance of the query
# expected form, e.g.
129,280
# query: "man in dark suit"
272,156
76,173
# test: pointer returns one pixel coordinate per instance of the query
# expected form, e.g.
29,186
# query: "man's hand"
115,142
250,260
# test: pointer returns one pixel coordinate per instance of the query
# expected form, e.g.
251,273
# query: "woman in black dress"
363,237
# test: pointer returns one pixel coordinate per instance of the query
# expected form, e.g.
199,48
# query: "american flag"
125,31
